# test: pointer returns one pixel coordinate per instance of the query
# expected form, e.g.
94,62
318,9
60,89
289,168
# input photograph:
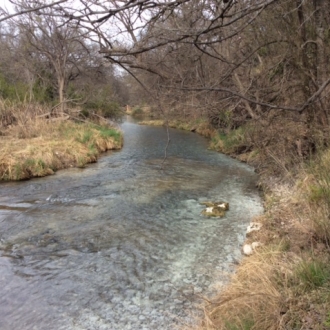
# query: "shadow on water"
122,244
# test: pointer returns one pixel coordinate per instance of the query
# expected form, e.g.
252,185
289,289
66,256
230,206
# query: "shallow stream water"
122,243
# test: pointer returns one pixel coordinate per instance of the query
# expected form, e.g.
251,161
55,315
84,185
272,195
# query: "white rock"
247,249
254,226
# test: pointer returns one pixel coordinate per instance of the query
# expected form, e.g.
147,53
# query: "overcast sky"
5,4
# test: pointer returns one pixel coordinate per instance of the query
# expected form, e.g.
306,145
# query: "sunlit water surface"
122,243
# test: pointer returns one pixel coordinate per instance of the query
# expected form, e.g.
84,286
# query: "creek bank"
231,145
46,147
284,280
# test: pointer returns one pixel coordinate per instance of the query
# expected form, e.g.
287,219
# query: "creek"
122,243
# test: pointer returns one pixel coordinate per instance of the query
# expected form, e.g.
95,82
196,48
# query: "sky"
6,4
114,27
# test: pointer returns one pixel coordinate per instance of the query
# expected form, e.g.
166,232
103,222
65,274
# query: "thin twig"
30,10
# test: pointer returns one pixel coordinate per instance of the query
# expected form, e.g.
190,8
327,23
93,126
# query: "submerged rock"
215,209
223,205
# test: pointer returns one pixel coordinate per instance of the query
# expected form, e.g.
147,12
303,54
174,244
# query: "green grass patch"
245,324
86,133
318,195
86,137
92,150
229,142
18,172
81,161
68,131
326,323
313,274
29,162
110,133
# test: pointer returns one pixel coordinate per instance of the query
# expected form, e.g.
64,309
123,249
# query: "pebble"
247,249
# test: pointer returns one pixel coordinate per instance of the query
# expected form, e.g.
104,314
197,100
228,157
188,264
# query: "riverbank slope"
285,283
41,147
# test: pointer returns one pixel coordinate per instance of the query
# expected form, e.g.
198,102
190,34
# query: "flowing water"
122,243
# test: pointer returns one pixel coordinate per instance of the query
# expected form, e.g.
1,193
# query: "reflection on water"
121,244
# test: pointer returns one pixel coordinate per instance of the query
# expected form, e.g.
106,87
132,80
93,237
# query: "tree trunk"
320,7
61,83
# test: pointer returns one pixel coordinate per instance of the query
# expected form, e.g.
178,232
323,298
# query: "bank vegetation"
35,146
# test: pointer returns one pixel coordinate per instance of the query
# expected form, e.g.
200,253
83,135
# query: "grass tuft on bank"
273,290
48,146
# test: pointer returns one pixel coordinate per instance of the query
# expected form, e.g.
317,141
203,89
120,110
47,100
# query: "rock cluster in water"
215,209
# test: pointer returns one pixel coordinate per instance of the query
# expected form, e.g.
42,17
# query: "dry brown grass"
252,298
32,146
271,290
154,122
285,284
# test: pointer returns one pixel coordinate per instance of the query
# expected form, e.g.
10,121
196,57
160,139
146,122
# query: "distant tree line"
258,61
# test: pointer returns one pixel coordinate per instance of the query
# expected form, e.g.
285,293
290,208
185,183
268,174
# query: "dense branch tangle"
204,18
254,58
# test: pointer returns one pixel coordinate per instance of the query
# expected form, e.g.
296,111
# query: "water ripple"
122,244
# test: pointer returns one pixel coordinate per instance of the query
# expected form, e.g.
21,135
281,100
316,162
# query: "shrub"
230,142
137,111
103,108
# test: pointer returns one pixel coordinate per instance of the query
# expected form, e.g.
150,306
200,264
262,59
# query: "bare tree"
60,45
255,59
37,5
